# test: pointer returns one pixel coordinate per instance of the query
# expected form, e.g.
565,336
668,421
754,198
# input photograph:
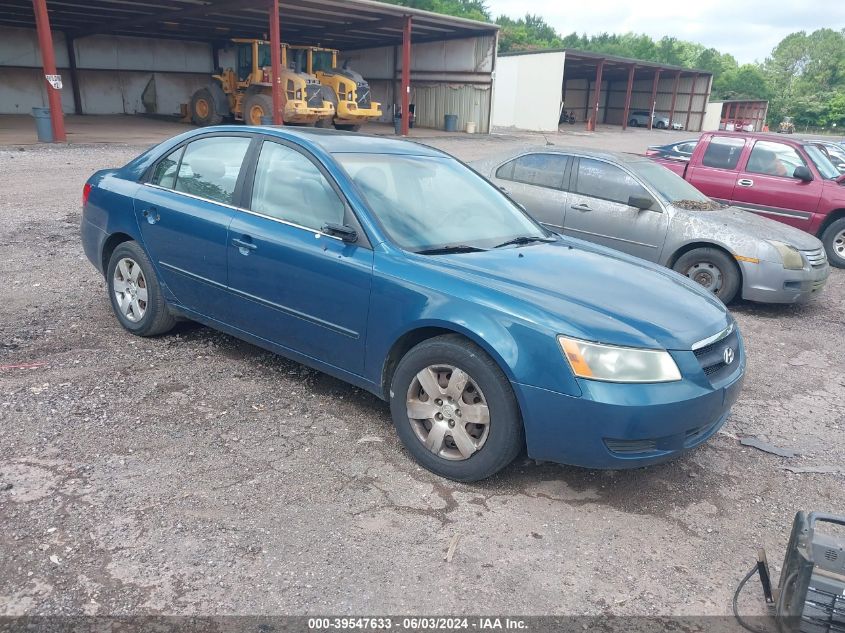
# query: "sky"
747,29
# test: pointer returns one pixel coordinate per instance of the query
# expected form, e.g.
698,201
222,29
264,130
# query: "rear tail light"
651,152
86,191
265,77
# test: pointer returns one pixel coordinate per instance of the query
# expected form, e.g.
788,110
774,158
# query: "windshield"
822,162
264,59
670,187
321,60
428,203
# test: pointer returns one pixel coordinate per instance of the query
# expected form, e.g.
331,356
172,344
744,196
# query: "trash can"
43,124
397,125
451,123
470,127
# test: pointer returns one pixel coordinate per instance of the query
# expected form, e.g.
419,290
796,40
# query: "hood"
754,226
586,291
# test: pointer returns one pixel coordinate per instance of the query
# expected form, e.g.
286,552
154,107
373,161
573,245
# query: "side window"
773,159
685,148
542,170
505,172
210,167
164,174
598,179
723,152
289,187
244,61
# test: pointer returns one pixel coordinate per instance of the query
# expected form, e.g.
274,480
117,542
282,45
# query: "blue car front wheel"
454,409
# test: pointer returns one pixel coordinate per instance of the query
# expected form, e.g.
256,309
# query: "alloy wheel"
448,412
839,243
130,289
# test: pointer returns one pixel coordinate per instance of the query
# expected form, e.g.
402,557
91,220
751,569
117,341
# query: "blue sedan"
396,268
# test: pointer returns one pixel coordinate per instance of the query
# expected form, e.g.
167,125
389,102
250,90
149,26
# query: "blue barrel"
451,123
267,120
397,125
43,124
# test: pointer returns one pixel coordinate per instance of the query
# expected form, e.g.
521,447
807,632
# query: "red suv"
783,179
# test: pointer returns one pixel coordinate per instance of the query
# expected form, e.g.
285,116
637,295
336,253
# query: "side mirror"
643,203
802,172
343,231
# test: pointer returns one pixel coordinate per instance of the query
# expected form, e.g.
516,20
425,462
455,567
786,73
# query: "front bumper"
615,426
347,115
769,282
297,111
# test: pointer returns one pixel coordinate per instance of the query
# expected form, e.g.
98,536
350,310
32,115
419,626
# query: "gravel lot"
197,474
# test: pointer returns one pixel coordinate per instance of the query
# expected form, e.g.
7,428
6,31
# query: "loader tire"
256,106
203,110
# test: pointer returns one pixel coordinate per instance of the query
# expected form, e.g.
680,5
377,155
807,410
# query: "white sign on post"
55,81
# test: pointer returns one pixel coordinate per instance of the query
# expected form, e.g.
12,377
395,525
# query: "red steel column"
628,97
406,75
674,98
691,97
48,57
597,93
276,63
653,98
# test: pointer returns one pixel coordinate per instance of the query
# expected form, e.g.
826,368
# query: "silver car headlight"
611,363
789,255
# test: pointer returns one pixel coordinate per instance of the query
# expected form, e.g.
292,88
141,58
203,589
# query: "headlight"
789,255
618,364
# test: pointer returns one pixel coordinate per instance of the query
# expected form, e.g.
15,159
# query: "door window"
773,159
210,167
164,175
598,179
289,187
244,61
723,152
542,170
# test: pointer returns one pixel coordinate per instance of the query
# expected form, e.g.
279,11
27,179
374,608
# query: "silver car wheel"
707,274
448,412
839,243
130,289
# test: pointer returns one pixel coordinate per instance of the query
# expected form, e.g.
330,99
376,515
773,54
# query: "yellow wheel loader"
245,93
348,91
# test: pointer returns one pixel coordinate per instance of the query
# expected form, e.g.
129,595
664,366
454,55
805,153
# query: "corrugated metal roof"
343,24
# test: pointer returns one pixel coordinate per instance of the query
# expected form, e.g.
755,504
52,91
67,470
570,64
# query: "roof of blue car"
334,141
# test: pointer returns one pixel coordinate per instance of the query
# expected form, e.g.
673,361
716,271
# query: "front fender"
404,300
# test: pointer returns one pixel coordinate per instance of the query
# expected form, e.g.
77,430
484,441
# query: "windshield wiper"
525,239
450,248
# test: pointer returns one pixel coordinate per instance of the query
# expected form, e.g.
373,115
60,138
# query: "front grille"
364,98
712,357
817,257
631,447
314,95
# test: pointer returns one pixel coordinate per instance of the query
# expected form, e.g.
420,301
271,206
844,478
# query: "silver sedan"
632,204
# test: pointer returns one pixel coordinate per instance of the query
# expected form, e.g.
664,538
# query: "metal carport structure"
369,28
597,88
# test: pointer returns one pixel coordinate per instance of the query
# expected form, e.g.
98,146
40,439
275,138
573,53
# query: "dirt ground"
196,474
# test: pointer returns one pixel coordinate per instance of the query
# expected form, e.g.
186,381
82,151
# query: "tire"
492,445
712,268
660,125
347,127
633,123
323,123
203,109
833,239
256,106
144,318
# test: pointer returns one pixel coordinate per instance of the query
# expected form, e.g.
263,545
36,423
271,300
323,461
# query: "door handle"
745,182
504,189
151,214
244,245
582,207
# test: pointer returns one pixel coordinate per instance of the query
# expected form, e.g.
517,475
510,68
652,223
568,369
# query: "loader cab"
253,57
